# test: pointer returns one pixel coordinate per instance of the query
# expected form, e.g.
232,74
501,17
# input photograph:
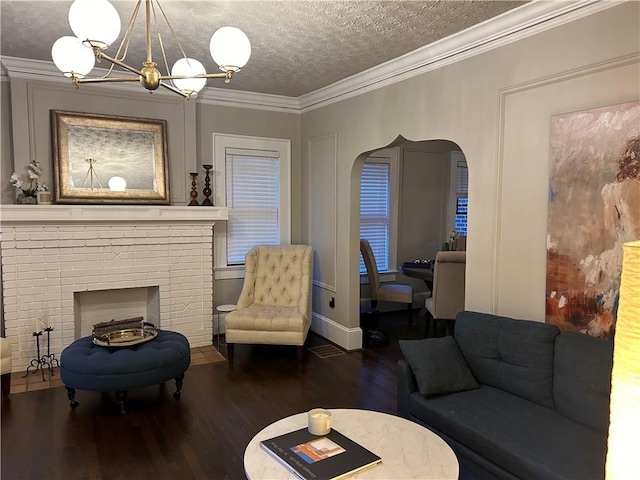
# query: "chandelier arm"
120,64
106,79
201,75
175,37
175,90
127,34
164,55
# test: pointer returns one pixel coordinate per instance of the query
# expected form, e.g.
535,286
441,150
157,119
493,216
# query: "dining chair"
447,298
388,292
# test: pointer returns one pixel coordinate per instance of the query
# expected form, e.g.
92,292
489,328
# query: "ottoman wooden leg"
178,391
121,396
6,384
71,395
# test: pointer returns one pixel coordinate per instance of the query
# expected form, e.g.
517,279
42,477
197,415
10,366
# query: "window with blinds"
462,190
375,198
252,187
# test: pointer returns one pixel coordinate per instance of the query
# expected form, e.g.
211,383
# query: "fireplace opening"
95,306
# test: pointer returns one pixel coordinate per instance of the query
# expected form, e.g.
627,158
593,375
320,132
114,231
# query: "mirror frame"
95,127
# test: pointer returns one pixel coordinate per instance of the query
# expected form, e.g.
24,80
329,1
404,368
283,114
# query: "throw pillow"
438,365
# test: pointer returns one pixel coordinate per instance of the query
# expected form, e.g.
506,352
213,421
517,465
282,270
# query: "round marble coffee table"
408,450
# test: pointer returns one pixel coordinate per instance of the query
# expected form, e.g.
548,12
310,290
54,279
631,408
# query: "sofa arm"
406,386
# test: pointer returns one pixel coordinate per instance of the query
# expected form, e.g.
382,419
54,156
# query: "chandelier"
96,25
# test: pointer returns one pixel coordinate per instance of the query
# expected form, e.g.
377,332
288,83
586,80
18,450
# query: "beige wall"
496,106
32,101
257,123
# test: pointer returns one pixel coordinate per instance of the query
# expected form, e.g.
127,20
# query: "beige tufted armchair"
275,303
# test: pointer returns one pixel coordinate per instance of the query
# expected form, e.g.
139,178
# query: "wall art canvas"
594,207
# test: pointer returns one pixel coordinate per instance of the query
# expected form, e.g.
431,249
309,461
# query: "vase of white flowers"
28,190
453,240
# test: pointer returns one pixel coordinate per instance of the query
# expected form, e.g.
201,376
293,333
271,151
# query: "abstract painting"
594,207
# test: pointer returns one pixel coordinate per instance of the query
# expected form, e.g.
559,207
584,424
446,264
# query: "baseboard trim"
346,338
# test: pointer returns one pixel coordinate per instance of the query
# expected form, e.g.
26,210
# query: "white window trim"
456,156
222,142
391,157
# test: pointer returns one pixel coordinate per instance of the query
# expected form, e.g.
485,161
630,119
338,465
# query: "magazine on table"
319,457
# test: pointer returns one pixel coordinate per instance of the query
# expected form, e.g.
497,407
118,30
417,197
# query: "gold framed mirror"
109,160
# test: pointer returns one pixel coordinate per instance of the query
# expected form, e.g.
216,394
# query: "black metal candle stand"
49,359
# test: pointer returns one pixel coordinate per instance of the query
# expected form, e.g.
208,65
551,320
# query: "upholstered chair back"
448,284
372,267
279,276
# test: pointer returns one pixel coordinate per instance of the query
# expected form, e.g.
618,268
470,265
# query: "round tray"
126,337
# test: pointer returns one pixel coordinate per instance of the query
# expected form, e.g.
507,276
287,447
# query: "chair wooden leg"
300,353
410,314
230,352
427,324
6,384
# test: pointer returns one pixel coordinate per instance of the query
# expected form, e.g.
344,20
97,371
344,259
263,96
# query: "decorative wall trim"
347,338
522,22
329,284
504,94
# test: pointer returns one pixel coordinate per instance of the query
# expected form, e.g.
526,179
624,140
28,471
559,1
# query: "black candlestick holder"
50,358
47,360
207,187
194,191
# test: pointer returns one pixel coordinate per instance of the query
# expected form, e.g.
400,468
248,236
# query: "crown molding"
527,20
29,69
243,99
511,26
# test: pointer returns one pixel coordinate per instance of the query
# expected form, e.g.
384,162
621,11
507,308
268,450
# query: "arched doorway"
427,201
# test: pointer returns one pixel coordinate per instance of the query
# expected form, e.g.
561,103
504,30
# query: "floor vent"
326,351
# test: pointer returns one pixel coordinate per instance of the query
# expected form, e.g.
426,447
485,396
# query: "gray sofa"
513,398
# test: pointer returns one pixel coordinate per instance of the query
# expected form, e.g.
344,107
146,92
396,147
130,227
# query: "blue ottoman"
86,366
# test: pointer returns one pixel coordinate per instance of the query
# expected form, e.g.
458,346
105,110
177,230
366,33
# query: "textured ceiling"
297,46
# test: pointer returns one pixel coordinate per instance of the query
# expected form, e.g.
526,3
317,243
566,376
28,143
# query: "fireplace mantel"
111,214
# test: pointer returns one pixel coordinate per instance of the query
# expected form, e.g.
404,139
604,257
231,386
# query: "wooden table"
425,274
408,450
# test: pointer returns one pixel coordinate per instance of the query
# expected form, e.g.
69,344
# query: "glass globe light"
96,21
189,66
117,184
71,57
230,48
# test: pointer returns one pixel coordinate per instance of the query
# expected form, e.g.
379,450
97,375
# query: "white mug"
319,421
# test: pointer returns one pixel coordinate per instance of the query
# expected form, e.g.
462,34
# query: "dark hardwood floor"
203,435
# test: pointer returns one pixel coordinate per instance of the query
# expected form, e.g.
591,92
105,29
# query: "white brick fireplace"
51,254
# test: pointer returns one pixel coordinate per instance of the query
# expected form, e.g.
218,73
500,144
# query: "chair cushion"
513,355
526,439
438,365
393,292
5,356
266,318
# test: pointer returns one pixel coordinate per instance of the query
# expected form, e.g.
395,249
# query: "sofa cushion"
524,438
513,355
438,365
582,378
